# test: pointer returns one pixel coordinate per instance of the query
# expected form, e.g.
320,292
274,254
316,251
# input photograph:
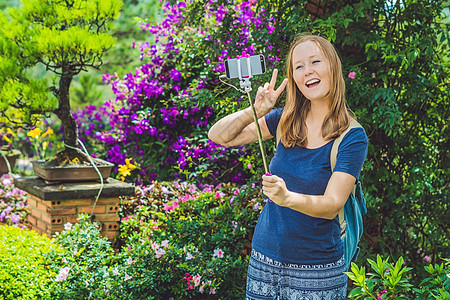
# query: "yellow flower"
35,133
48,132
124,170
130,165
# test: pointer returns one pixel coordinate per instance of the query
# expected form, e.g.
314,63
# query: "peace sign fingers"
273,81
267,95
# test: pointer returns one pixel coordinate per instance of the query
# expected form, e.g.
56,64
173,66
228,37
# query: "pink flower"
165,243
218,253
167,207
188,279
115,271
68,226
189,256
426,258
160,252
155,246
380,294
351,75
235,224
249,165
212,291
175,204
164,190
63,273
196,280
129,260
127,277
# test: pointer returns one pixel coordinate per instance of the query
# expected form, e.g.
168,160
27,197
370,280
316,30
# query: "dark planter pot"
72,173
12,157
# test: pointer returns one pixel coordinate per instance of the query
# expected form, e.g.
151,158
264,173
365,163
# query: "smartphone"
257,66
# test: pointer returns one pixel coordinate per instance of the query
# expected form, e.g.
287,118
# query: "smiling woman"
304,258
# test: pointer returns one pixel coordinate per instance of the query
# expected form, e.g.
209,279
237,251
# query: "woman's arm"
325,206
239,128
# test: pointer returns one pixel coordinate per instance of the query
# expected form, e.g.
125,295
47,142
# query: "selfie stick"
247,86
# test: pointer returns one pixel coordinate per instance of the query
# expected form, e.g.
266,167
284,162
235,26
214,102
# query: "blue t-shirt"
290,236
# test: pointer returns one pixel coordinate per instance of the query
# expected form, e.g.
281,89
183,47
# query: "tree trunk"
64,111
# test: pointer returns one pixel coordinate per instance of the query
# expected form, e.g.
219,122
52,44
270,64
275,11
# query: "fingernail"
270,200
268,174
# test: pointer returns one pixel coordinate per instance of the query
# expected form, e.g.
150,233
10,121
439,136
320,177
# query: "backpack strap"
333,158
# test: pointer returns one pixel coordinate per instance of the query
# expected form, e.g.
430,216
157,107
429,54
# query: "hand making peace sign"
267,96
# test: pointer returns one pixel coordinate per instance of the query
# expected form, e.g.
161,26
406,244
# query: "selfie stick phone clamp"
247,86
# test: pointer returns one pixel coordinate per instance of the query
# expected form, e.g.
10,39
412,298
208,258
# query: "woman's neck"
317,113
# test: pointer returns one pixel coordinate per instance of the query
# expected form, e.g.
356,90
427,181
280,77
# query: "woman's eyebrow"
310,57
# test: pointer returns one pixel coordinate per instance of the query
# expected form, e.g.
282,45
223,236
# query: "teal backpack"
350,216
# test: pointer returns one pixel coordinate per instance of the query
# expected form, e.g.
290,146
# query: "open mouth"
312,83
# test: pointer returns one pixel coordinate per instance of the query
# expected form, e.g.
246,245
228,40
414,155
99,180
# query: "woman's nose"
308,70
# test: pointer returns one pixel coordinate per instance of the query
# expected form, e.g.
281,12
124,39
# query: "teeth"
312,81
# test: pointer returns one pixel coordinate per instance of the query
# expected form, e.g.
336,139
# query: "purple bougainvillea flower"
175,75
351,75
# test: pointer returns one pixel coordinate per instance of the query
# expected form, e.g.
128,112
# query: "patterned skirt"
270,279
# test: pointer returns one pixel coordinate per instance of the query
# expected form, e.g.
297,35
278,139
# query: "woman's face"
310,71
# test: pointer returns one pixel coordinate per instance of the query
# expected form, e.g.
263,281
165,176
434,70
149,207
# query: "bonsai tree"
65,37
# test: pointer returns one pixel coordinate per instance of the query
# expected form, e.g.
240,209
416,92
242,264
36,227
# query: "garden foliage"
13,203
396,58
178,240
390,281
23,274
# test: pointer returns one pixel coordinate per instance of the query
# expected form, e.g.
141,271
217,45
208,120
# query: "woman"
297,251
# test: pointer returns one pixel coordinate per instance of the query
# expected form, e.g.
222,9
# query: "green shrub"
178,240
82,264
23,274
178,232
391,281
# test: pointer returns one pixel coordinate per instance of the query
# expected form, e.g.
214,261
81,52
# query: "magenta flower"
175,75
167,207
426,258
351,75
380,294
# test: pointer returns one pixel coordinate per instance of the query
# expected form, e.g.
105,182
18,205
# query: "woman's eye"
299,67
316,61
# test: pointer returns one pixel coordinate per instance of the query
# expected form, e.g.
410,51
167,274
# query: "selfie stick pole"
247,86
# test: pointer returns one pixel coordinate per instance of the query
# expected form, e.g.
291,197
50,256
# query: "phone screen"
257,66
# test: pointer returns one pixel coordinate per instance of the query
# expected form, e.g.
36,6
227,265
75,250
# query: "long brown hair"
292,122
